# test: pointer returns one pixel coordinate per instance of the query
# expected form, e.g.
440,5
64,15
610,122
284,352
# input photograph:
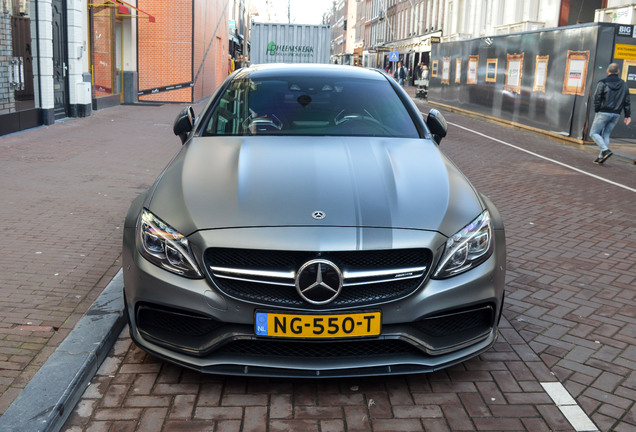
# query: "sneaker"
605,154
598,161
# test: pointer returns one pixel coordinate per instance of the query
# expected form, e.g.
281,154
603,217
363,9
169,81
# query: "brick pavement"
65,191
571,272
569,315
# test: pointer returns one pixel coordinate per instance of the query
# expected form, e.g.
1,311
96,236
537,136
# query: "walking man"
610,98
400,73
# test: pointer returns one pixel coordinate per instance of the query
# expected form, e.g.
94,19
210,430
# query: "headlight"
467,248
165,247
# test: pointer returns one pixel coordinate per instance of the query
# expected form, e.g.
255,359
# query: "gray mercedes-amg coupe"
310,226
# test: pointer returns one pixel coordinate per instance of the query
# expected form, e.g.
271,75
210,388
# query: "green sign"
290,50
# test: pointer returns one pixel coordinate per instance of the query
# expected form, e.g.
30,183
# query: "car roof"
272,70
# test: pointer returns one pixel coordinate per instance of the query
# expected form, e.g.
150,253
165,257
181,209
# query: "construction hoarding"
541,79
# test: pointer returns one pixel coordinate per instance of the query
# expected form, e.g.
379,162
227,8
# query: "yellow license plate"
318,326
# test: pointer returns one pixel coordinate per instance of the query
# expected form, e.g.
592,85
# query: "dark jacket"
400,73
612,95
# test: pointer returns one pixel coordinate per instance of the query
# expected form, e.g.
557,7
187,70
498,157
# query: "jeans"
602,127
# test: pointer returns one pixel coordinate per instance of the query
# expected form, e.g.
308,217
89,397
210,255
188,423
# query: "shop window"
105,42
16,83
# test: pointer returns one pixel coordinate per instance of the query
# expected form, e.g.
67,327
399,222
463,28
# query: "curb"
51,395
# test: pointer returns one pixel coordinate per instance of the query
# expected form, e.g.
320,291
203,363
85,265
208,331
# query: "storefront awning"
418,43
123,9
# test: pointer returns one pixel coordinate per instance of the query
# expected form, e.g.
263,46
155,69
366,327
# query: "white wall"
44,65
77,44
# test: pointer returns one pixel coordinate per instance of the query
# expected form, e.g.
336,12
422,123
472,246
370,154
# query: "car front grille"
268,277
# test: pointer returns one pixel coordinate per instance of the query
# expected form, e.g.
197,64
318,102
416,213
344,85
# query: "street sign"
394,56
625,51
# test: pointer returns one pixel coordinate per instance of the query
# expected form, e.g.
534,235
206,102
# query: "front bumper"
191,323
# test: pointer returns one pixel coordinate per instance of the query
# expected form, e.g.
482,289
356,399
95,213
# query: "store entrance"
106,32
60,67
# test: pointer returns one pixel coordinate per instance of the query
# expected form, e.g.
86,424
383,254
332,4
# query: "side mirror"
437,125
184,123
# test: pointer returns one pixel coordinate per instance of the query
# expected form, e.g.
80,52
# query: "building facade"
338,22
239,29
371,29
617,12
44,72
182,52
66,58
366,32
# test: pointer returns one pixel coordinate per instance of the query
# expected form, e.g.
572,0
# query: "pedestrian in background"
610,98
421,81
231,67
400,73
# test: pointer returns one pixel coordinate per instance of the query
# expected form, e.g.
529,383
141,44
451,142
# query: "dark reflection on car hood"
230,182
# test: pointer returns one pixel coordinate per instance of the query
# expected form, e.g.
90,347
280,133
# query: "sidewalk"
65,191
623,147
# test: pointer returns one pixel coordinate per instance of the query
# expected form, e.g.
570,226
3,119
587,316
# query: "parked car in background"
310,226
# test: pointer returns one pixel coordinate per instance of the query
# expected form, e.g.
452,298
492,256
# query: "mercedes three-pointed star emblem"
318,215
319,281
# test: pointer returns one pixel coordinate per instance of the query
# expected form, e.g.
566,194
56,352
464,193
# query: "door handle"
21,67
14,73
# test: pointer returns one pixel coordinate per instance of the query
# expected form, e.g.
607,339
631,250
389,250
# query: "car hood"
233,182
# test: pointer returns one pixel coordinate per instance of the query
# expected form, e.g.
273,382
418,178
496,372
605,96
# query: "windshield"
310,106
